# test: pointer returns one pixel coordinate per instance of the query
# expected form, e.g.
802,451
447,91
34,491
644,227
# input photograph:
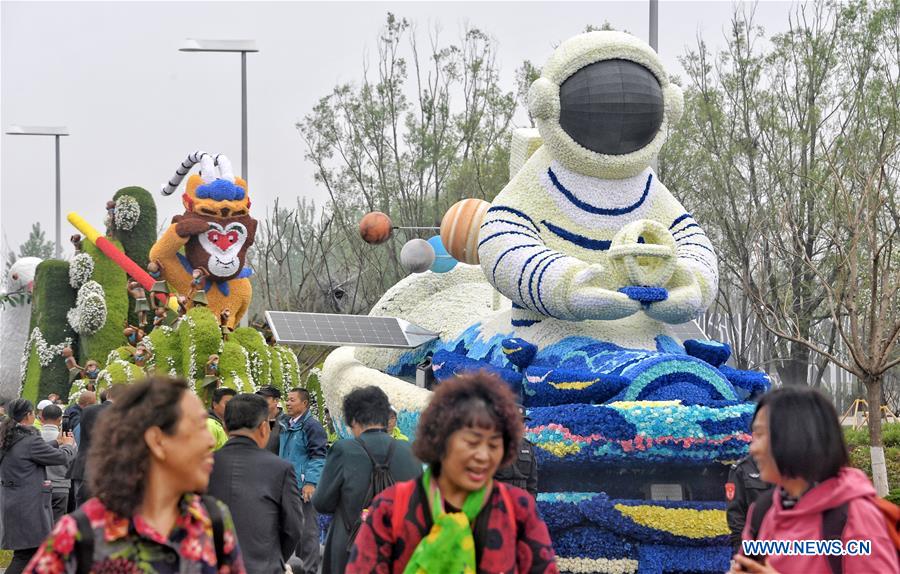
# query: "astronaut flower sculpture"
215,232
603,267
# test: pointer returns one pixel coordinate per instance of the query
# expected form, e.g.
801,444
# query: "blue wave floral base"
591,530
606,418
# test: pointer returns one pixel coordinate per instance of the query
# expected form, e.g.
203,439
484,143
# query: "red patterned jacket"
498,549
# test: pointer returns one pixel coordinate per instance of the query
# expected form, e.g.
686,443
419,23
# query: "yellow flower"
573,385
560,448
685,522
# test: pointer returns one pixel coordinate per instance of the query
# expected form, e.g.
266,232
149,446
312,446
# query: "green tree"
789,154
427,124
37,245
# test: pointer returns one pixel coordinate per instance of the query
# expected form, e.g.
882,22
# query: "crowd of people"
149,479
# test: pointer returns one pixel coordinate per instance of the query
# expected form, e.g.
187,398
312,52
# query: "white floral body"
550,230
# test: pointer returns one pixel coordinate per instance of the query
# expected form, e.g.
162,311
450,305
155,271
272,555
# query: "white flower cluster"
78,387
89,314
192,350
253,383
46,353
600,565
81,269
289,365
128,212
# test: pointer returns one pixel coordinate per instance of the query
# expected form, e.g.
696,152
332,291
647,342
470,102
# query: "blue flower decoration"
221,190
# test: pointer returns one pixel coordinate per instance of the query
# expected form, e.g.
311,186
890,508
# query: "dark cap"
269,391
523,413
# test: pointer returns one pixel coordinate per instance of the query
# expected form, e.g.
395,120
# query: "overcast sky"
136,106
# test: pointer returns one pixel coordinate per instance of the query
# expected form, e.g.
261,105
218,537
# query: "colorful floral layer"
592,533
654,432
629,522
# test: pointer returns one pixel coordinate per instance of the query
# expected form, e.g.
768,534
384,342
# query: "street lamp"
242,46
57,132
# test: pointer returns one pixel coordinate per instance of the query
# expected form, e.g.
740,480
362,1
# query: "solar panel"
358,330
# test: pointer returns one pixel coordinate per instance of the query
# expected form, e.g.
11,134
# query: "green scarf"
450,547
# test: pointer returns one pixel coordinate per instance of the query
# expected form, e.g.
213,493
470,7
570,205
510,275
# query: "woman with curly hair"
26,513
456,518
155,453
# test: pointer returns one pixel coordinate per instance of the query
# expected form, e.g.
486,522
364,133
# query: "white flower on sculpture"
81,269
128,212
89,314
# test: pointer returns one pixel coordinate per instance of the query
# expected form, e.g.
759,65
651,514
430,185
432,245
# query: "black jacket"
742,489
26,514
522,472
74,414
88,419
275,438
345,481
261,491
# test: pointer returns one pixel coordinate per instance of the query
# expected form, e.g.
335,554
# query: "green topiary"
115,288
234,368
260,355
315,390
165,343
51,300
289,365
119,371
200,337
137,241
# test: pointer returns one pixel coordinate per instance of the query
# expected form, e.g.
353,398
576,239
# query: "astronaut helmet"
604,104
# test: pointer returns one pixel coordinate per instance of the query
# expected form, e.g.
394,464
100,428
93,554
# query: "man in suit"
348,469
78,470
259,488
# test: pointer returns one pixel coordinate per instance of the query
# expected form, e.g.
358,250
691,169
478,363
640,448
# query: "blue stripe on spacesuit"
683,237
485,224
699,259
599,210
579,240
525,266
679,219
686,227
531,278
489,237
514,212
541,278
502,255
696,245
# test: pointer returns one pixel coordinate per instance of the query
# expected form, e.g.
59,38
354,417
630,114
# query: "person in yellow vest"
220,398
393,429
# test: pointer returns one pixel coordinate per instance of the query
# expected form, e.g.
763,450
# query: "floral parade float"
597,264
14,316
128,303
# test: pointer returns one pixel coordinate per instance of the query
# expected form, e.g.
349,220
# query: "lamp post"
242,46
57,132
654,25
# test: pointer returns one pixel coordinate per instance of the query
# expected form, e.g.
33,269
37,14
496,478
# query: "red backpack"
403,492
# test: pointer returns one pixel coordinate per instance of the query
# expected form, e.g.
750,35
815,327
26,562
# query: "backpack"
833,522
379,479
84,542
